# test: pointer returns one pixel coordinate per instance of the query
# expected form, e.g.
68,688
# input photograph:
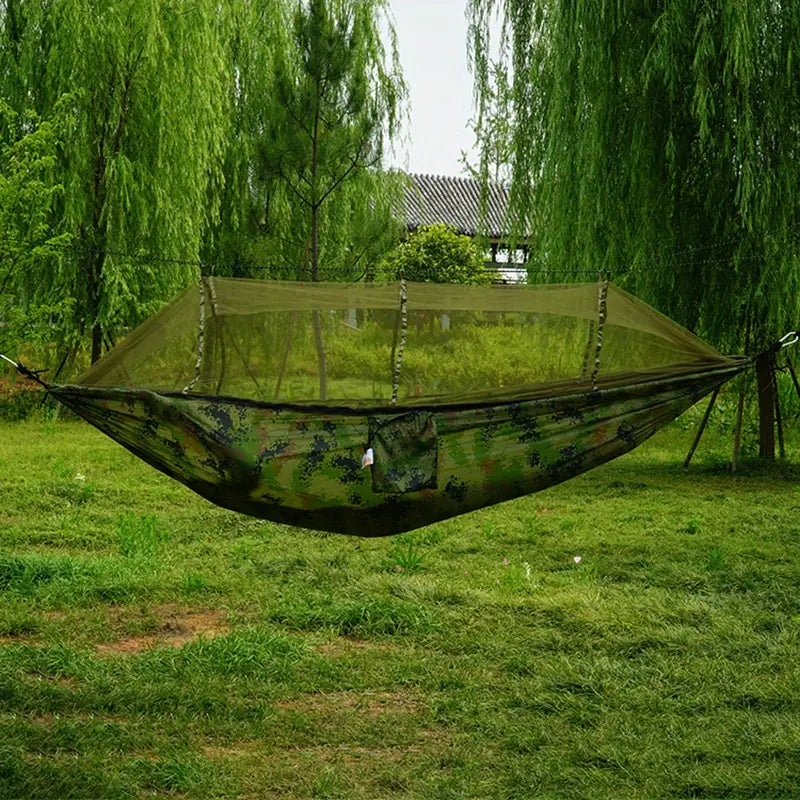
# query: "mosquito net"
412,344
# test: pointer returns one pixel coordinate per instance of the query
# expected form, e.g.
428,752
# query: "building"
456,202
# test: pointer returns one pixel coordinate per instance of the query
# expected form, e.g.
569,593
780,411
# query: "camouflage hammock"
372,409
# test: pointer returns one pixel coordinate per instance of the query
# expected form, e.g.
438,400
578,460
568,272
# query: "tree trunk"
765,378
97,343
315,243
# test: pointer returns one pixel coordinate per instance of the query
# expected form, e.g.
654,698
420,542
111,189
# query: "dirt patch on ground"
370,703
51,720
346,647
244,749
322,753
62,681
173,628
22,638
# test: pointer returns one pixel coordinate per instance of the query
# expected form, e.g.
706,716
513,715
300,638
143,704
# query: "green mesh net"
378,344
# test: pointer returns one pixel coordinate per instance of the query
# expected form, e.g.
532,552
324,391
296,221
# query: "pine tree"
27,156
318,157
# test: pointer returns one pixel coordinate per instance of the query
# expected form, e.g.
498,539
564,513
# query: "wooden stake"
778,416
794,376
702,427
737,435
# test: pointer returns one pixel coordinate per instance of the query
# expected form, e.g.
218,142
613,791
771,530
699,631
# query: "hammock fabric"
273,398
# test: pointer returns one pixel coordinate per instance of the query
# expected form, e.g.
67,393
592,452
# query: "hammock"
372,409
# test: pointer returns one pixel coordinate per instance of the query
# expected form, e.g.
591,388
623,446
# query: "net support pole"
402,345
602,311
701,429
201,339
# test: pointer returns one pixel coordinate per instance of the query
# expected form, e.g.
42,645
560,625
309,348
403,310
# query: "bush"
19,399
437,254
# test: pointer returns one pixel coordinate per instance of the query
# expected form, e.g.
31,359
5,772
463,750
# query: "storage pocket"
405,451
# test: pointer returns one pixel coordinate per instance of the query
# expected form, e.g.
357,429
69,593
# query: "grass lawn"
152,645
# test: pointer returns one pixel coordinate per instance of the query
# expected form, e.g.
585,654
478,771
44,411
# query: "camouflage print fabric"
406,452
302,466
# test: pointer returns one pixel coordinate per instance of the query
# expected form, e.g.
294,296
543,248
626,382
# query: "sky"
432,40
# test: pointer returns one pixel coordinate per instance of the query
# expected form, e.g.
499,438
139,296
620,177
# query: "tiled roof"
455,202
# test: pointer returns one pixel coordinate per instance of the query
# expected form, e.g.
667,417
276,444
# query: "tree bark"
322,360
765,378
97,342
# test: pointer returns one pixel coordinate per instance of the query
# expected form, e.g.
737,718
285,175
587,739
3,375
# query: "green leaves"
149,91
233,133
28,148
658,145
437,254
318,150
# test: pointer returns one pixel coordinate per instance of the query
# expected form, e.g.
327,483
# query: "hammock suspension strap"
25,371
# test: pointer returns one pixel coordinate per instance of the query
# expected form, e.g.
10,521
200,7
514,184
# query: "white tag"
367,458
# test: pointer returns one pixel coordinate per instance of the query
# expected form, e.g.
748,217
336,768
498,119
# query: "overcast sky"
432,39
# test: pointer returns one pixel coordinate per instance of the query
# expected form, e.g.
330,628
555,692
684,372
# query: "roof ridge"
460,178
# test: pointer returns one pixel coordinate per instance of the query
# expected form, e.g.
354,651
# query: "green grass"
152,645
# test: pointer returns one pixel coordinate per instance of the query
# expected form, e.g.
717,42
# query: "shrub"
437,254
19,399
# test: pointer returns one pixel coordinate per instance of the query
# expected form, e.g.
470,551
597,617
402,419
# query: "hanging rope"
676,261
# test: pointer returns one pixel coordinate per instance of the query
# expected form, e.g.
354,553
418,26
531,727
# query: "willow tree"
140,167
28,148
658,142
